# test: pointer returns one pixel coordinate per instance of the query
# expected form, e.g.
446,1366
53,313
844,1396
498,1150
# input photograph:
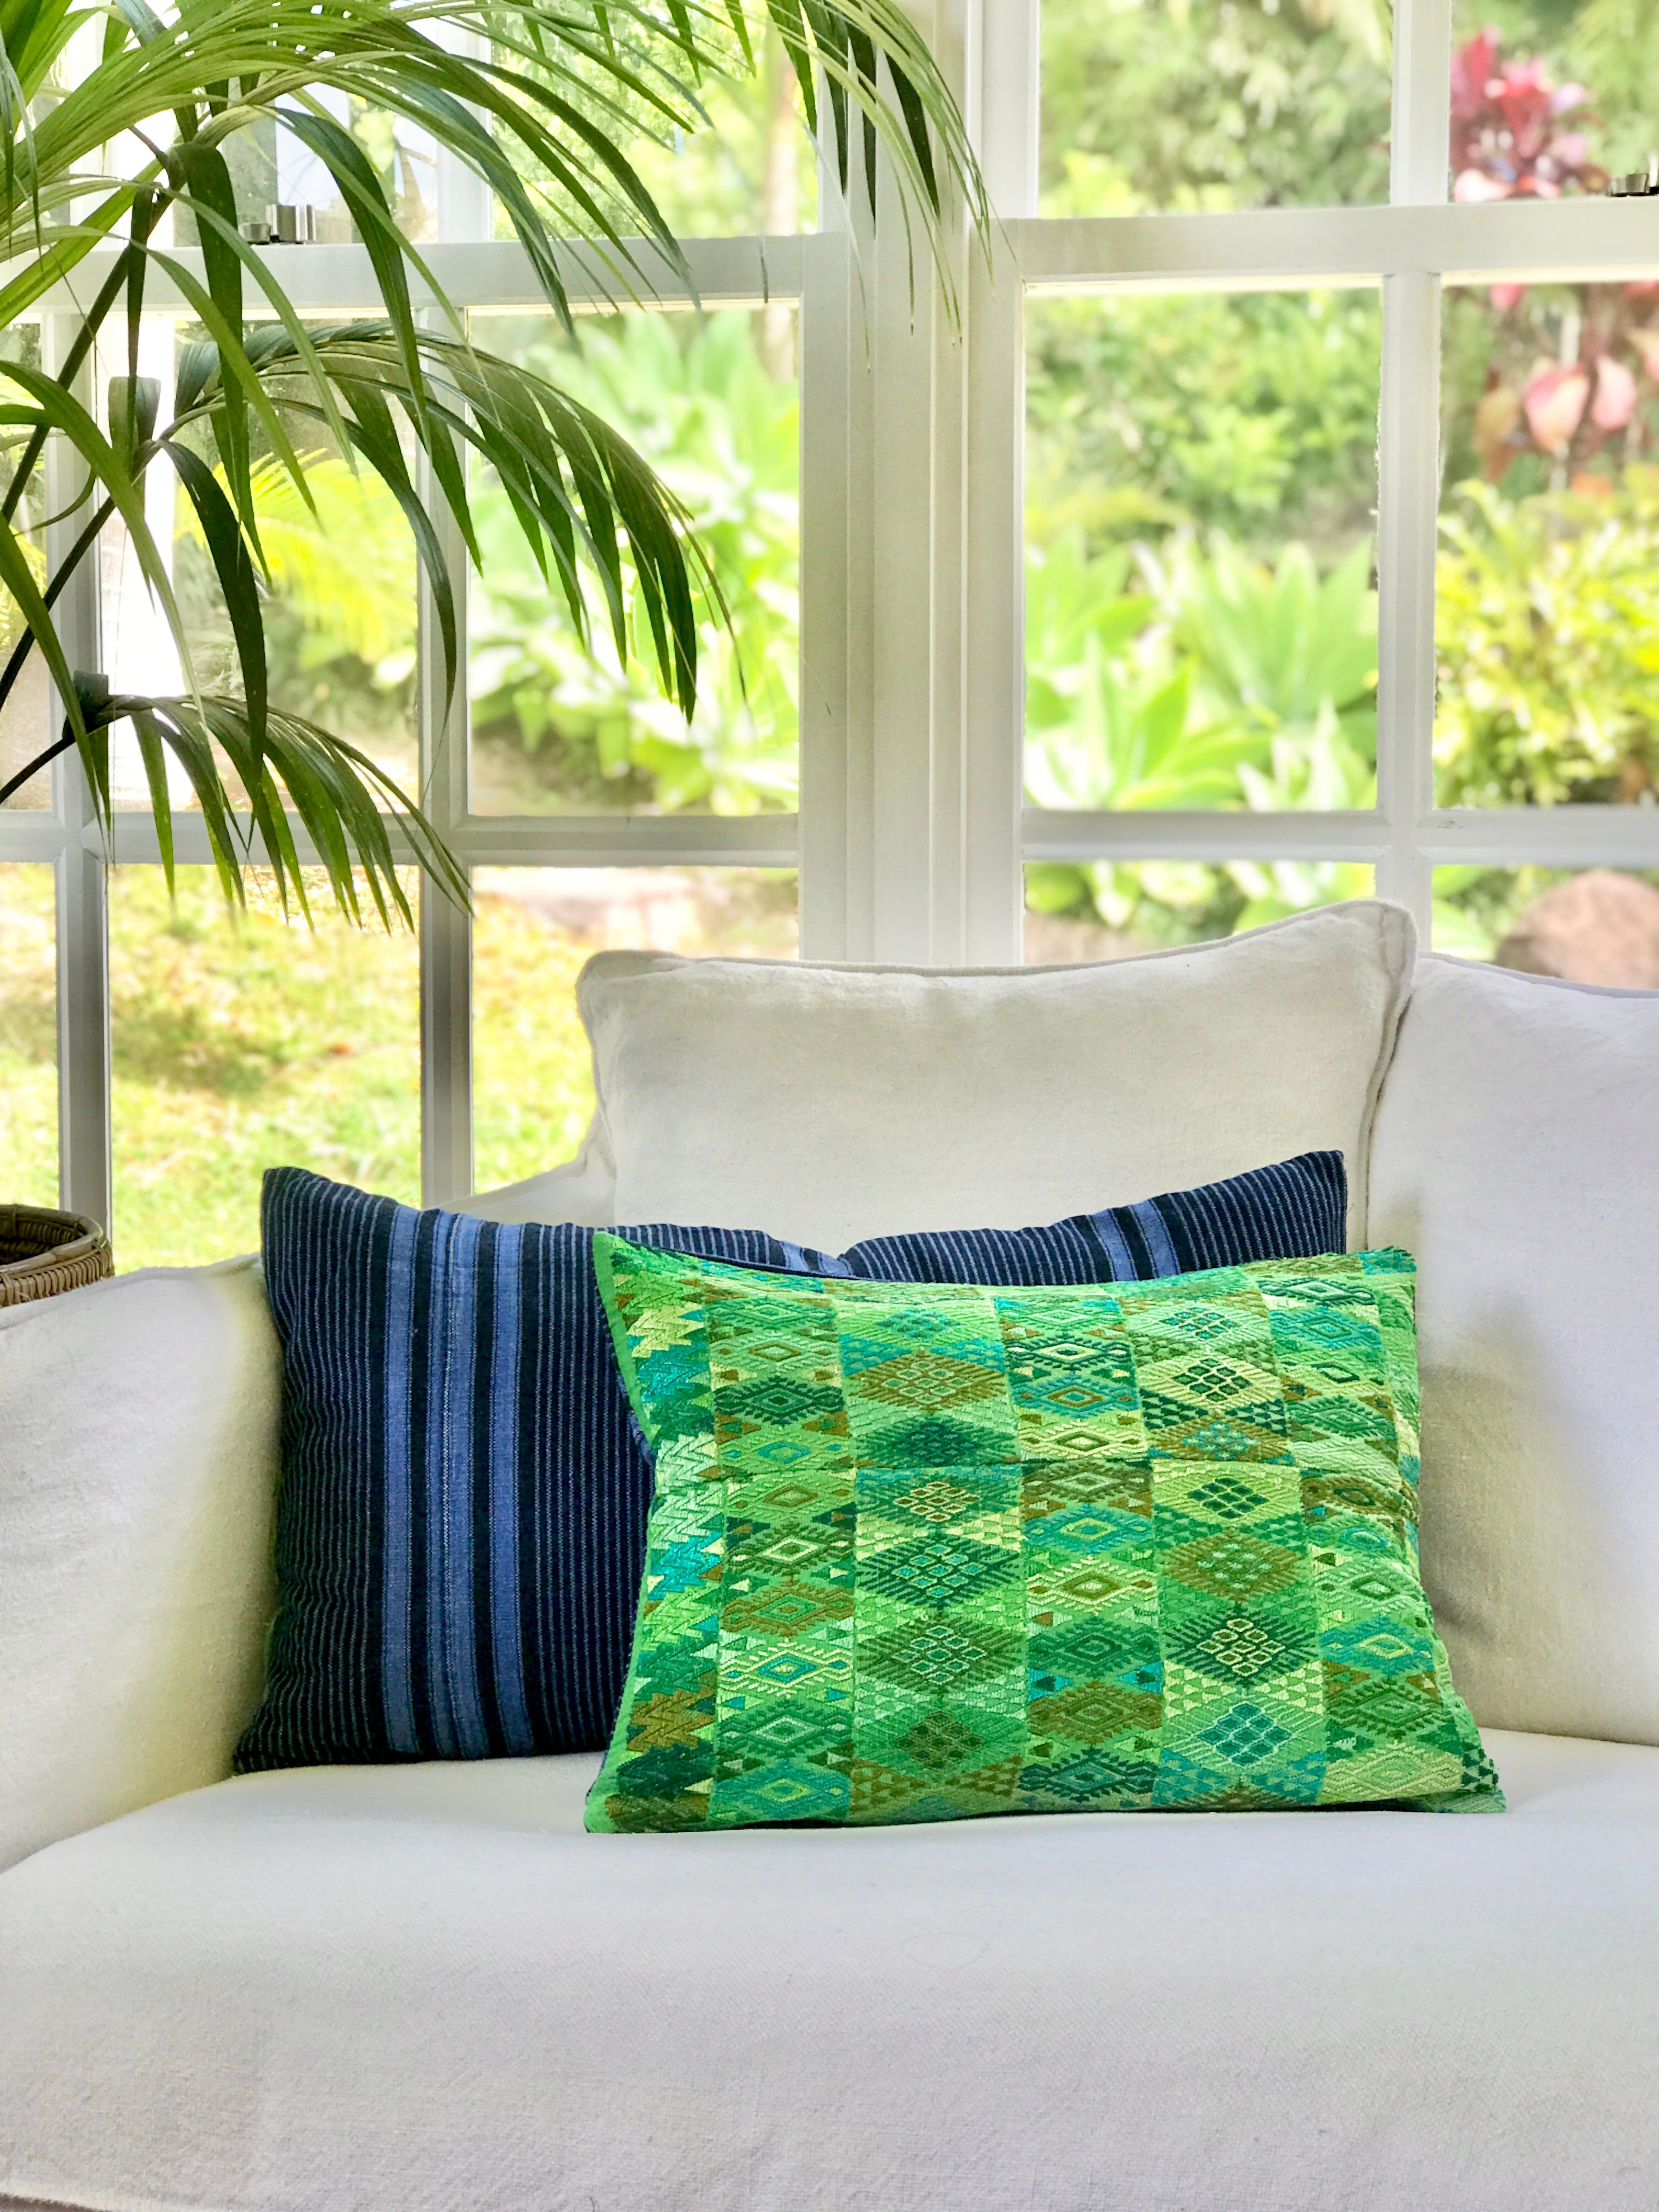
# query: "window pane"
532,1084
1150,104
752,168
744,166
270,166
28,1036
1599,926
25,725
25,721
713,404
1200,620
1549,571
404,156
240,1044
1102,911
339,618
1549,96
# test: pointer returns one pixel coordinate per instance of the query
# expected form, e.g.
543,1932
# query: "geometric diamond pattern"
1245,1735
1235,1565
922,1551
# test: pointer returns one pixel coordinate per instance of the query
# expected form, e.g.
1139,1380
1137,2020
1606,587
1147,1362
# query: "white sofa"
426,1989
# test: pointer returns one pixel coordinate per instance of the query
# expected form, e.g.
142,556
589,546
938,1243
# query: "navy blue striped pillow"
460,1529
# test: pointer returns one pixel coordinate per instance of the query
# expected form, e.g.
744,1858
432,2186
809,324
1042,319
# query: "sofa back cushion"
1515,1155
838,1104
138,1429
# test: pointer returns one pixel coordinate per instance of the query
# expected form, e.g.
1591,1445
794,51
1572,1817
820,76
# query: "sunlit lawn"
238,1046
28,1069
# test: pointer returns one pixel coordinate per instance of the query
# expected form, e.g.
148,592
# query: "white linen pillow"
1514,1153
139,1443
832,1104
582,1190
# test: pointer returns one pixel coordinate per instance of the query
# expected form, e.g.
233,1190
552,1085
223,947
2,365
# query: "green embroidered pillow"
919,1552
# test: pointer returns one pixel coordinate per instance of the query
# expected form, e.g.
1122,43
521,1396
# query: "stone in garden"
1598,927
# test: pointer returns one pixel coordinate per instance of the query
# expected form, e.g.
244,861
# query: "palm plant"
541,99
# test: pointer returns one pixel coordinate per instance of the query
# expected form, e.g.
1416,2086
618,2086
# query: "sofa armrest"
139,1448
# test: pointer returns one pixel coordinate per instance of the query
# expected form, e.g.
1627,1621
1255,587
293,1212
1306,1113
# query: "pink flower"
1505,296
1615,395
1474,184
1503,117
1471,67
1555,401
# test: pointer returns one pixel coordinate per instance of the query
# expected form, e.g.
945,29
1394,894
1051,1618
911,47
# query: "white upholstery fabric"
827,1103
1514,1154
426,1990
138,1443
583,1190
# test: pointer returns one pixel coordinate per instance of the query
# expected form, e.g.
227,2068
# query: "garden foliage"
1200,620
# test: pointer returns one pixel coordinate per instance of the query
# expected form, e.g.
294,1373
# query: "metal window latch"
1638,185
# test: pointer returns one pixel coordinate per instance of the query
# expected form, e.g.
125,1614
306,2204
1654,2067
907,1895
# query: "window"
1259,667
196,1049
1280,523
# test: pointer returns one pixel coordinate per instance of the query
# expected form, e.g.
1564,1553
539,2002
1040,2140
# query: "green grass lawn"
242,1044
28,1044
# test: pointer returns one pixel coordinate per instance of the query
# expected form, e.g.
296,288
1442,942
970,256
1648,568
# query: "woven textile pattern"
923,1552
460,1529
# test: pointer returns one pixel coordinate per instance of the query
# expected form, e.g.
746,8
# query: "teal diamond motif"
784,1453
786,1670
1227,1497
1246,1734
937,1571
1092,1779
1378,1646
787,1791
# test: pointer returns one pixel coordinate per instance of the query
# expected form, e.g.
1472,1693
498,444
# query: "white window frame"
333,280
1412,245
912,837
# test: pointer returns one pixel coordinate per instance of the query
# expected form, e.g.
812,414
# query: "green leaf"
233,570
546,118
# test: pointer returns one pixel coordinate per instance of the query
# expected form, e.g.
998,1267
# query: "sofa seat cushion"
426,1989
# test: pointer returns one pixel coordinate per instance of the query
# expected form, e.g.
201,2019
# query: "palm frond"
543,100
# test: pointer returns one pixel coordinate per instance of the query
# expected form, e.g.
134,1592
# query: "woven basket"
42,1253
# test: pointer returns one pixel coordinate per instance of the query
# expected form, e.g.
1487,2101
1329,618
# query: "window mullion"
85,1164
836,808
1419,129
994,610
85,1170
939,865
1408,491
465,208
1409,463
1004,105
446,929
914,793
1003,74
